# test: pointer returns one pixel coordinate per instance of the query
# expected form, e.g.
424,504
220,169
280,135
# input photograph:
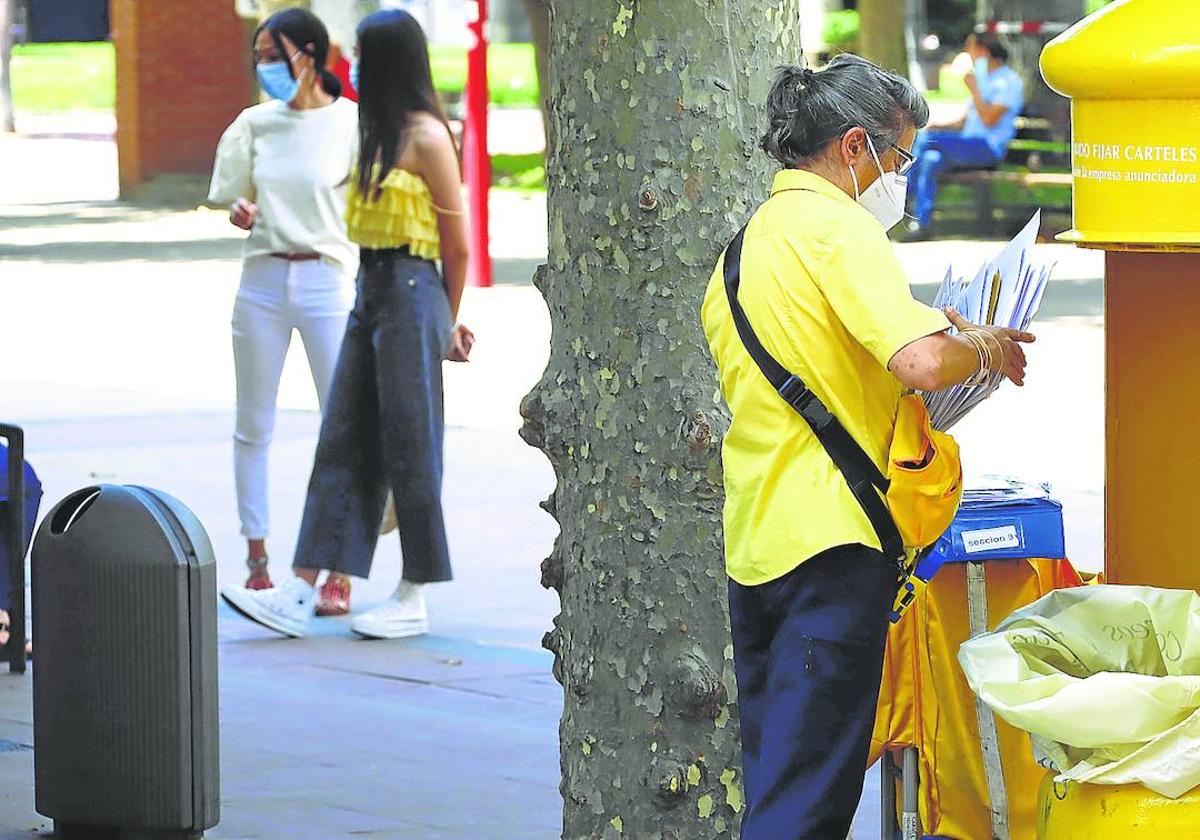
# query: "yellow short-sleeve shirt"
827,297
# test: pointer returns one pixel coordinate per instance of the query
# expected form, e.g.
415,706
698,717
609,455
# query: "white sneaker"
286,609
399,617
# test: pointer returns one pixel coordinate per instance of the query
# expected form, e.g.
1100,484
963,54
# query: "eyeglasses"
906,160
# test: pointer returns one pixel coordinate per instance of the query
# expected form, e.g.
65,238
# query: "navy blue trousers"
808,654
383,426
937,152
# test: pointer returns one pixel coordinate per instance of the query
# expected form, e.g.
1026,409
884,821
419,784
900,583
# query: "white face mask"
884,199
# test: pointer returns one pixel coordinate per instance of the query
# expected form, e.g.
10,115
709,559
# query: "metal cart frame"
989,742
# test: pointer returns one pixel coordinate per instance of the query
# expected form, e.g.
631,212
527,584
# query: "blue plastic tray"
999,530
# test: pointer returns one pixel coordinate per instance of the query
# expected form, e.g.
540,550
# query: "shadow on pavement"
102,252
514,271
507,271
72,213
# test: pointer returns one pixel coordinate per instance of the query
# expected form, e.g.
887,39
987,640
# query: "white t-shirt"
295,165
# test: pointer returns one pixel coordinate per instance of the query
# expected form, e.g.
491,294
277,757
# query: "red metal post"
477,164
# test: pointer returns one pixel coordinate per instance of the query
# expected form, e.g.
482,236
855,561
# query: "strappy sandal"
334,597
260,577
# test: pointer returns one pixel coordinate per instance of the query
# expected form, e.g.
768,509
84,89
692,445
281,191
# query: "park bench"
1033,160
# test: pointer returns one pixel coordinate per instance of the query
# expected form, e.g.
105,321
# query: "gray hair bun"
809,109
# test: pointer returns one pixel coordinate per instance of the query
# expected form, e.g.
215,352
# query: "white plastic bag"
1106,679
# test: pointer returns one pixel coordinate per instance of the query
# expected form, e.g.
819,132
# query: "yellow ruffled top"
403,215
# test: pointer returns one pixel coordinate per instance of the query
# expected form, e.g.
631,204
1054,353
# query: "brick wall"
183,73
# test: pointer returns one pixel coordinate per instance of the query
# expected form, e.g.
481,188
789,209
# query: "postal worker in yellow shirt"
810,590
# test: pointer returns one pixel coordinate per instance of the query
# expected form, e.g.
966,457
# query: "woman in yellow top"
383,427
809,590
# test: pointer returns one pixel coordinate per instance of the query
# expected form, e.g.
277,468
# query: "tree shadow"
514,271
72,213
91,215
189,250
92,136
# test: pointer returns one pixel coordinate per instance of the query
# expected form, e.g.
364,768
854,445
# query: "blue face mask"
981,69
354,75
277,81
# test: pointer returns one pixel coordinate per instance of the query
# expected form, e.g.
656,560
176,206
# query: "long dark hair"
992,43
302,28
394,82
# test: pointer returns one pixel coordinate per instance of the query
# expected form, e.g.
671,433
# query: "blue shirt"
1004,87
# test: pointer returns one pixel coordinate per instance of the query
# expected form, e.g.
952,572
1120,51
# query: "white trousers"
276,297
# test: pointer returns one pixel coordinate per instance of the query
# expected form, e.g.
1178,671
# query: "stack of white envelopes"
1005,292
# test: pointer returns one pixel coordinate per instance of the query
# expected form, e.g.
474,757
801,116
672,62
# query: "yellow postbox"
1132,72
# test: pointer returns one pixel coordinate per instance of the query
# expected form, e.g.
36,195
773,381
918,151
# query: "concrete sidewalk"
115,355
448,736
114,336
453,735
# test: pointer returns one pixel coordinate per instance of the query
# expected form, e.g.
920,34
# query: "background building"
54,21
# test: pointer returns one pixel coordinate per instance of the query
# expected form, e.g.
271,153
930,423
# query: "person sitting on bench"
979,139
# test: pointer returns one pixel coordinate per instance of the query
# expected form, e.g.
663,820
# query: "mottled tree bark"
655,111
881,33
8,15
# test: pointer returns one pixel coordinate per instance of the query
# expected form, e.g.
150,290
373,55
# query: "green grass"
512,73
1004,193
63,77
66,77
519,172
957,210
958,201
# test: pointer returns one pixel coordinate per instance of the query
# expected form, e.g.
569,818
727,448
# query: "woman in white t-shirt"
283,169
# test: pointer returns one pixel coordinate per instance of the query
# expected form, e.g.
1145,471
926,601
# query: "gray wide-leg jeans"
383,426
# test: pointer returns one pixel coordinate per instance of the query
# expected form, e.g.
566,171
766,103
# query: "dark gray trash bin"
125,684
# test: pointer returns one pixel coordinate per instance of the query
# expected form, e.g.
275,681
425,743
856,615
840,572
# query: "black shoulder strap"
865,480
